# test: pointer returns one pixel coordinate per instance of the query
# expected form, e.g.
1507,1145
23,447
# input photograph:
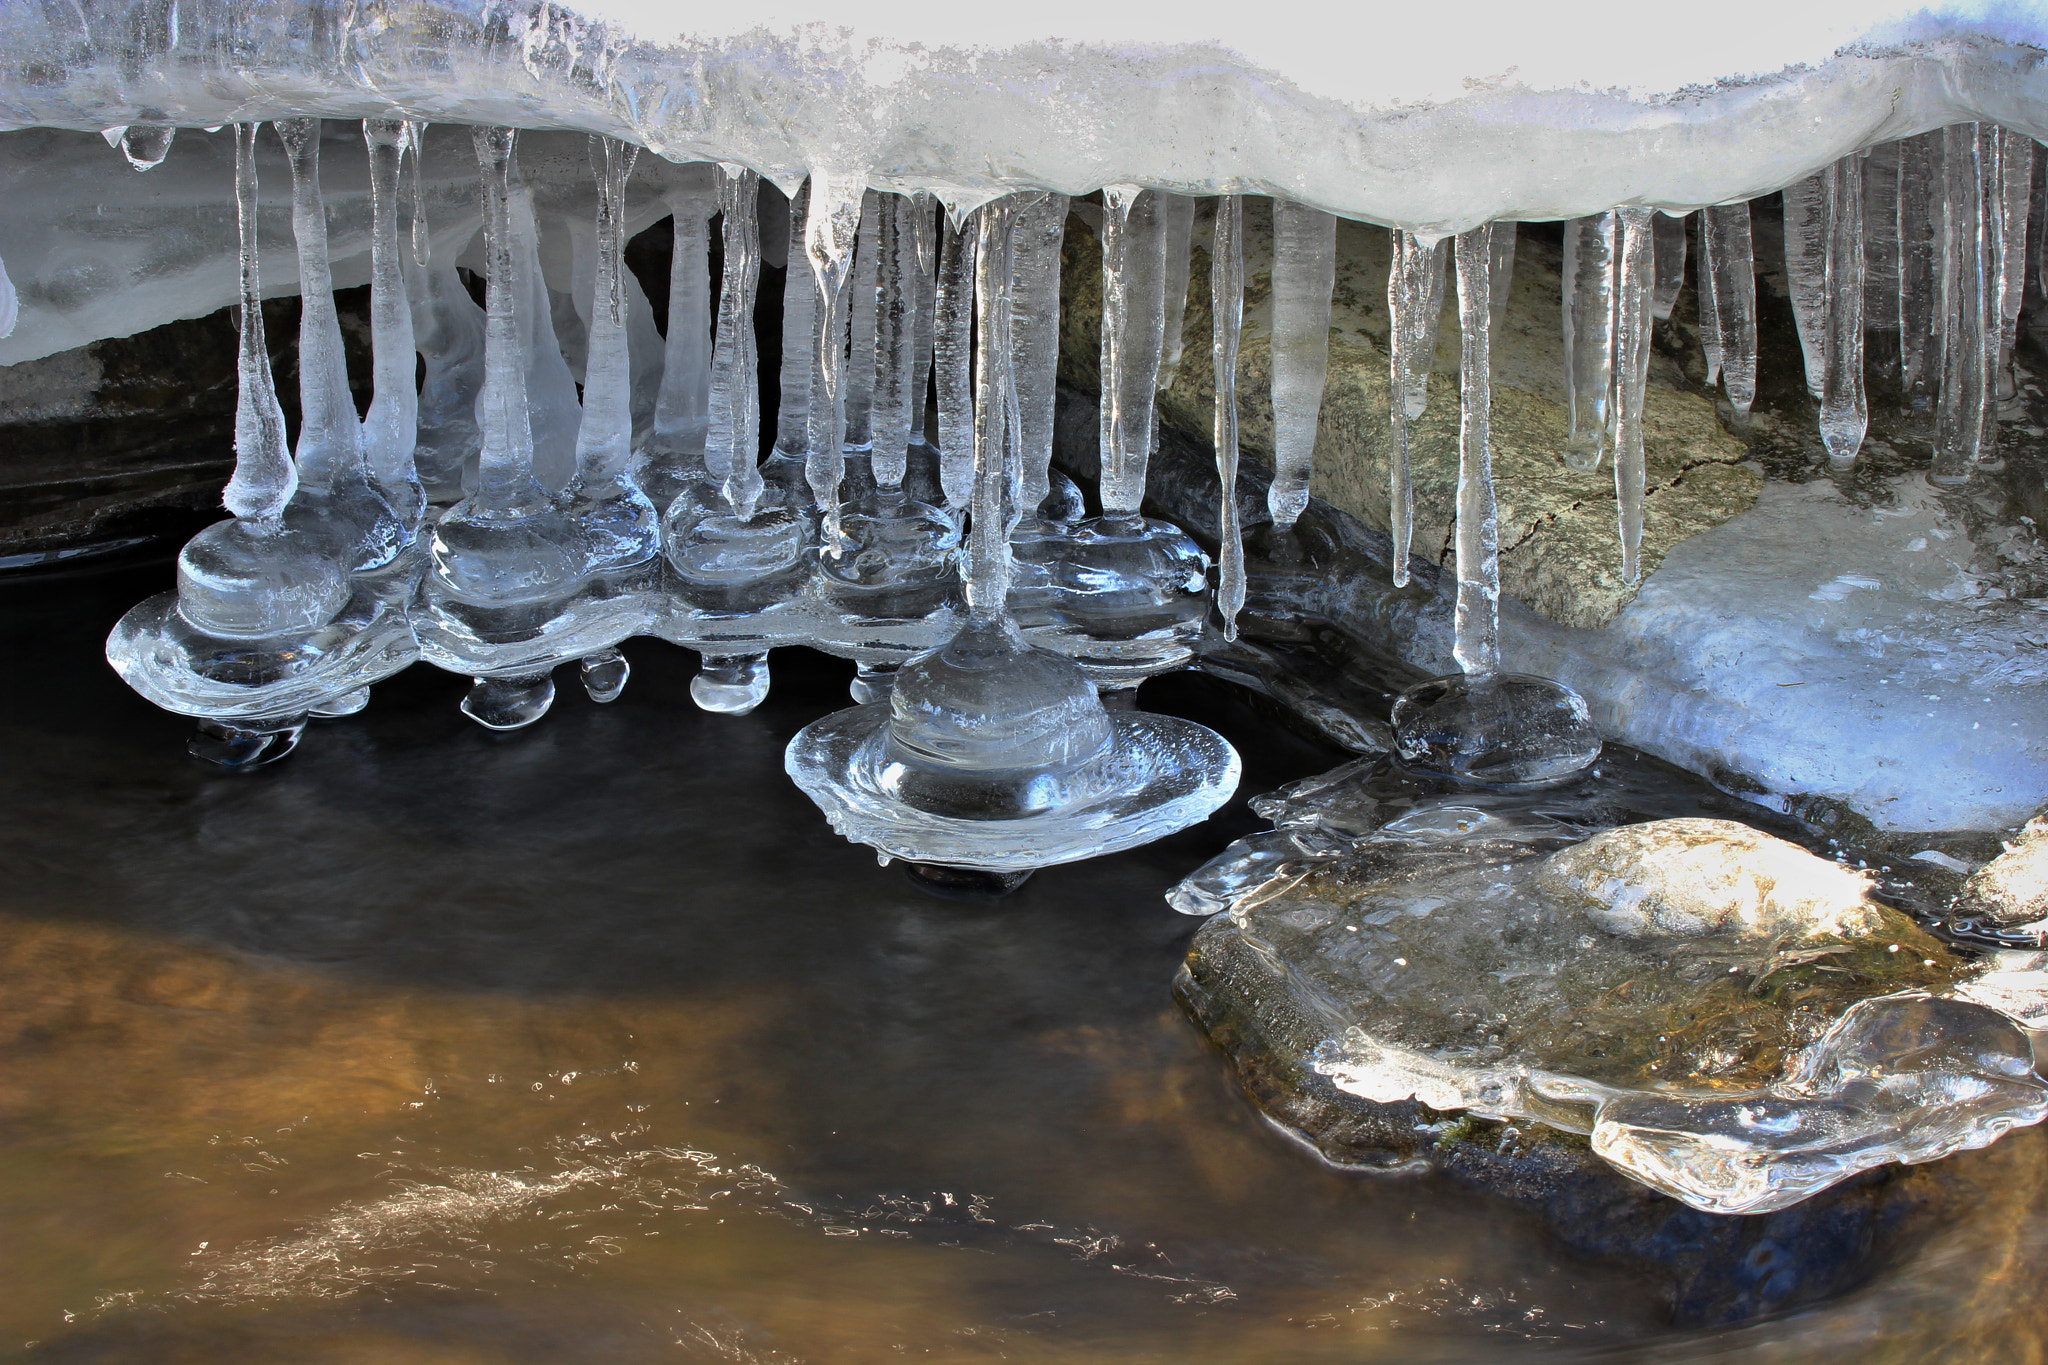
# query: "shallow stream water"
593,1044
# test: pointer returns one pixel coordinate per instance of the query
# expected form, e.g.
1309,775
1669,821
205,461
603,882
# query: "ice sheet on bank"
1825,648
1372,113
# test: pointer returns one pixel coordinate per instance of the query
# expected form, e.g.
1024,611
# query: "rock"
1690,877
2012,889
1559,550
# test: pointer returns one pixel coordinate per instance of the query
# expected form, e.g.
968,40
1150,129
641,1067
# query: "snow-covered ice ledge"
1432,119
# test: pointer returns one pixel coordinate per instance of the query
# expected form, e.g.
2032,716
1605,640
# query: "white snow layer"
1433,119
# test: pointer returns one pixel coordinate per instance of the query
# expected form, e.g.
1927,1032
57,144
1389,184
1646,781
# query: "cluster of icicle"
1922,242
1924,238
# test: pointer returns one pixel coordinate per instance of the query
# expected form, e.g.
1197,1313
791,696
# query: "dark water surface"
594,1044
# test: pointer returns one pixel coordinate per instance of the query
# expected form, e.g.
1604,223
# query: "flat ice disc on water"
1162,775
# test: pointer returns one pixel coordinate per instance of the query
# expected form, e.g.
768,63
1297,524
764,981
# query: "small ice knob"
987,728
1495,729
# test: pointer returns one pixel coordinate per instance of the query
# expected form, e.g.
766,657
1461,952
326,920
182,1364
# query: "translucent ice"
391,428
1590,248
1304,273
1730,262
1844,413
1806,232
1415,287
1226,294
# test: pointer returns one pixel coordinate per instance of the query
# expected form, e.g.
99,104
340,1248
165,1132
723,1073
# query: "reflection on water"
593,1044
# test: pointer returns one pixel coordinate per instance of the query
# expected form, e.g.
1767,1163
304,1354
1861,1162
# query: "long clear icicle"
1177,211
391,429
1634,305
1959,412
995,488
1415,290
799,335
1037,231
926,236
1707,308
1921,247
1667,236
1881,255
422,240
1844,411
732,452
505,464
953,353
604,440
1226,298
862,294
1731,258
829,231
1806,271
895,344
264,477
1133,328
682,406
2016,156
1991,163
1589,253
330,434
1304,274
1476,624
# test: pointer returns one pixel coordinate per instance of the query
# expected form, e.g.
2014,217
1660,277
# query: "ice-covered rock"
1730,1019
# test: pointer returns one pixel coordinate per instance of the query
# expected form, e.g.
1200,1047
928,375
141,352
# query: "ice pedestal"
263,632
992,755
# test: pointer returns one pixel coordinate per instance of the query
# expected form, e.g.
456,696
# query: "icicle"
733,450
552,406
604,440
799,336
861,298
1415,286
1635,287
1959,414
448,328
1501,285
2016,184
1707,308
1178,213
1589,247
1226,299
1037,232
1844,413
264,477
1881,255
927,240
330,436
505,464
1806,271
829,231
895,342
422,240
391,429
1728,254
1476,643
682,404
1921,244
1991,170
996,493
1667,235
1304,274
953,342
1133,330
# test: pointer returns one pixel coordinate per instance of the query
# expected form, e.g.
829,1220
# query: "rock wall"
1560,553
